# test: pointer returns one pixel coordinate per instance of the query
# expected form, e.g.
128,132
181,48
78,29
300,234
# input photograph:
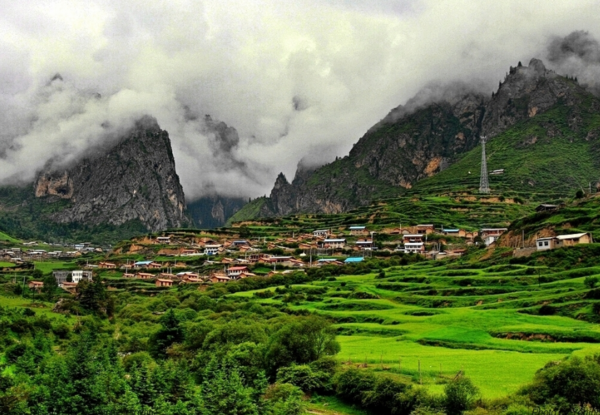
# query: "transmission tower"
484,185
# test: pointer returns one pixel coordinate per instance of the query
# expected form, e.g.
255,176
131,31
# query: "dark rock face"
213,211
133,179
410,144
526,91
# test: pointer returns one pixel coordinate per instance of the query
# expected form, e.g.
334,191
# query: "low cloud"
578,55
297,80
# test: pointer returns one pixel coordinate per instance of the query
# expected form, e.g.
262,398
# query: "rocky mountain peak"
134,179
422,138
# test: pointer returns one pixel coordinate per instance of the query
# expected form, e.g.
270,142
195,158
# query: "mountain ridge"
422,139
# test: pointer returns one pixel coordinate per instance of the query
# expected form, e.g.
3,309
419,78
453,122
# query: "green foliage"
574,381
92,296
50,287
225,390
285,399
459,395
304,377
379,394
170,332
591,281
303,340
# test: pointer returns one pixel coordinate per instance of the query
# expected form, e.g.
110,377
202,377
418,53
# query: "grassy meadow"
485,320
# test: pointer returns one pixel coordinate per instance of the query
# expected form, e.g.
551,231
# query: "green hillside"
249,211
546,154
27,217
498,322
582,215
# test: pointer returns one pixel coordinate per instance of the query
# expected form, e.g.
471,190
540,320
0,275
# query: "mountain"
543,118
210,212
126,187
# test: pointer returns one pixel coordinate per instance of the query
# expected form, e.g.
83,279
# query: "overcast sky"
302,78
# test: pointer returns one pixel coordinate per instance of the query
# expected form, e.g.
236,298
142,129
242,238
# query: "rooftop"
354,259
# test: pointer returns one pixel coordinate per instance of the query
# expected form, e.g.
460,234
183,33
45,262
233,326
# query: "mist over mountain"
297,81
433,131
283,83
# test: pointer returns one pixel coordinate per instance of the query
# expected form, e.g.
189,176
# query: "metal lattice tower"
484,185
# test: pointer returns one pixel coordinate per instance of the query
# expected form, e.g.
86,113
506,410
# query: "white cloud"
302,78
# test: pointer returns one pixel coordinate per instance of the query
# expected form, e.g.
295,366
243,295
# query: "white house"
544,244
334,243
211,249
365,245
414,248
358,230
491,235
235,272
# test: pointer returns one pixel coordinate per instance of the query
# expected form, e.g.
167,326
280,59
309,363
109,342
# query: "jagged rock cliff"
420,140
134,179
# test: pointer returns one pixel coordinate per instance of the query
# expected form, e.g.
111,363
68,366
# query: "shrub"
459,395
284,399
379,394
566,383
351,384
547,310
304,377
590,282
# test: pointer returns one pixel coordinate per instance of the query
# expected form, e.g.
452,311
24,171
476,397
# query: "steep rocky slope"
135,179
125,186
422,139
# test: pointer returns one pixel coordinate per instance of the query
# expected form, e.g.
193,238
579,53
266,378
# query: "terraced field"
497,323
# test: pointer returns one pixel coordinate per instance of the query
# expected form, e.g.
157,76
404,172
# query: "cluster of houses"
20,255
66,279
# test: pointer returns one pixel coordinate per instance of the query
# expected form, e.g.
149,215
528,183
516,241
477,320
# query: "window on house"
546,243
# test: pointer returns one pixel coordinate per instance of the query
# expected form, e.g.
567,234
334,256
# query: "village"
181,257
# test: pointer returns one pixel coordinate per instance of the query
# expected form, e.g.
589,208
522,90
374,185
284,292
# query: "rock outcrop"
134,179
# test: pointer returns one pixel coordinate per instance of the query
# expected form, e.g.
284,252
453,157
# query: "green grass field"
8,238
483,320
49,266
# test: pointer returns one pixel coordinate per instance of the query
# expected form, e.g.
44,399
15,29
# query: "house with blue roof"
460,233
353,260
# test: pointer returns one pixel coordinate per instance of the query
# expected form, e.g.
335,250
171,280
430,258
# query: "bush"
303,341
352,383
590,282
284,399
304,377
459,395
379,394
547,310
571,382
